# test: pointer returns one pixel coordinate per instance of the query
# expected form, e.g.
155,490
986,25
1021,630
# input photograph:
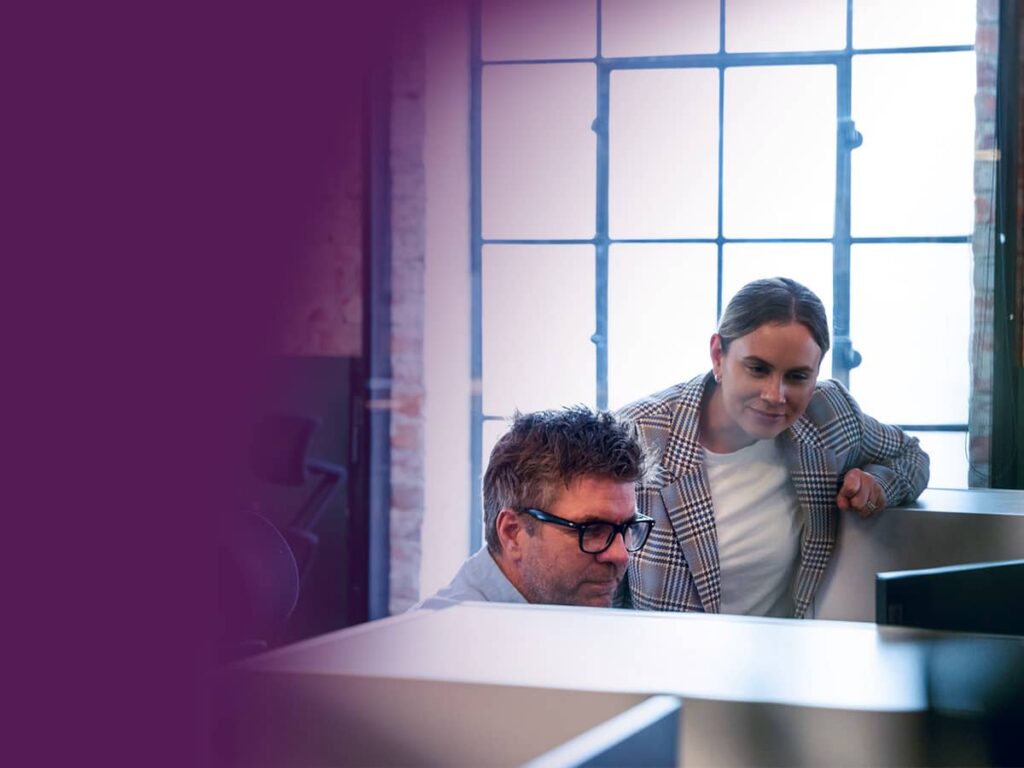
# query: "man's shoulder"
470,581
479,578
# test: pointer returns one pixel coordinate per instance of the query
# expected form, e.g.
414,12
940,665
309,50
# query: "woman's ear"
716,356
510,529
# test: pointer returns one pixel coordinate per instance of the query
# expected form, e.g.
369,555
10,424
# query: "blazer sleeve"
887,452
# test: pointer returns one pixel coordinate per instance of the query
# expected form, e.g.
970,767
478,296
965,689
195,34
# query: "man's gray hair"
546,451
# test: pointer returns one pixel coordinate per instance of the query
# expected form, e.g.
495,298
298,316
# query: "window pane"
900,23
538,151
663,153
785,25
538,29
779,173
948,454
910,311
808,263
538,317
914,173
493,430
661,314
659,27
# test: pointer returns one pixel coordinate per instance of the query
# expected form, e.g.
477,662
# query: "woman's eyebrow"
766,364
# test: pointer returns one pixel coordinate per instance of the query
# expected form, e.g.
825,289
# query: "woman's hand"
861,492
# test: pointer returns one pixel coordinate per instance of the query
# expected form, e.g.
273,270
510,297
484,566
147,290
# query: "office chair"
259,584
279,455
262,567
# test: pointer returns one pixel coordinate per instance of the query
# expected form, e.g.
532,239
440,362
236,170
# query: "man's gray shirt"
479,578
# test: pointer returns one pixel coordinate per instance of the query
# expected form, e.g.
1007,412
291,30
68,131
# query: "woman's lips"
768,416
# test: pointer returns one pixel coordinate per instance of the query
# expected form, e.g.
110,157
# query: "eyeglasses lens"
597,537
636,535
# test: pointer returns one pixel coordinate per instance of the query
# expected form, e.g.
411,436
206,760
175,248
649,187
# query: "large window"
636,161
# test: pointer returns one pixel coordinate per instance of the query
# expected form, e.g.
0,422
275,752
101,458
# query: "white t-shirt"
759,522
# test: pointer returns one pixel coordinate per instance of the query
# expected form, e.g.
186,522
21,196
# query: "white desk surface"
972,501
828,664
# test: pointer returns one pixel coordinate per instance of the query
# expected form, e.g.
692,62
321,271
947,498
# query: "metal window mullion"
378,337
735,59
538,241
649,240
903,239
842,346
600,337
720,238
720,235
476,287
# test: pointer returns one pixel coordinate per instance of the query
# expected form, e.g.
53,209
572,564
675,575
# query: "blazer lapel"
687,499
812,468
688,505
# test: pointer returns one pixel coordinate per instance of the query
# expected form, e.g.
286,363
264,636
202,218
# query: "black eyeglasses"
596,537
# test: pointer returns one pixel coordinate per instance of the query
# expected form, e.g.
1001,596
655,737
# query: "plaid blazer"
678,569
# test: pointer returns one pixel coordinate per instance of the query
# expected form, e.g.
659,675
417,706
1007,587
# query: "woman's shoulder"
658,417
664,403
831,401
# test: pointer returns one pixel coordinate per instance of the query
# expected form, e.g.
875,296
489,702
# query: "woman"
754,461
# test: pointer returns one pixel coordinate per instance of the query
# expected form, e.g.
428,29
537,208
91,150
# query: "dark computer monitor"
978,597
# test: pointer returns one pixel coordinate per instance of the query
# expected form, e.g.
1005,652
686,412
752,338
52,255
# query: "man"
559,513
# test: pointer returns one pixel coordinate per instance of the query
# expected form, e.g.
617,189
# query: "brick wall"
325,302
408,247
325,309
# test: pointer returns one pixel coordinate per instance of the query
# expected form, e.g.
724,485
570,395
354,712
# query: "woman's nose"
773,391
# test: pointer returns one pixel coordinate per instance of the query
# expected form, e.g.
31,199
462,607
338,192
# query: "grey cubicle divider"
644,736
977,597
275,719
943,527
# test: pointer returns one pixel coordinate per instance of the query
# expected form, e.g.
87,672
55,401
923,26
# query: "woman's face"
766,378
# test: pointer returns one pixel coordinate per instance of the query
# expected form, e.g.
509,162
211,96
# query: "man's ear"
716,356
510,532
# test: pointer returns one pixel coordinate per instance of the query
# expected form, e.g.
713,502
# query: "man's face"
767,381
550,565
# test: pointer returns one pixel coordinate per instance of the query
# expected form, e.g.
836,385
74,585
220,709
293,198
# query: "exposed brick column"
980,417
325,312
408,244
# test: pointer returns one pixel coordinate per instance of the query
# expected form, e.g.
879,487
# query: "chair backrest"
259,583
280,447
269,552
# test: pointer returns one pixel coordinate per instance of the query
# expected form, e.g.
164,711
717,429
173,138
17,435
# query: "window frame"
844,357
